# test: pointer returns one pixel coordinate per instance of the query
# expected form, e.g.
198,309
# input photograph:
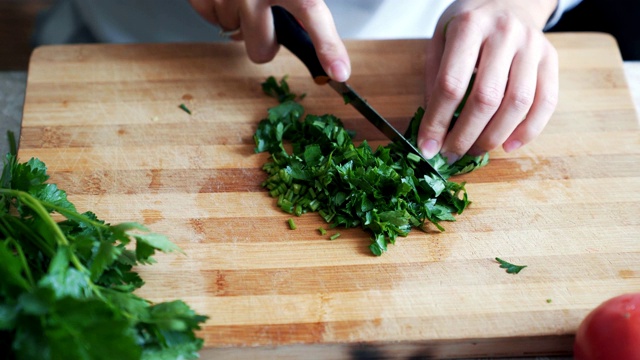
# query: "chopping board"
106,120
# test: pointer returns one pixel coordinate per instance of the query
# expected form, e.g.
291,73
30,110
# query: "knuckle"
505,24
462,143
433,129
488,97
521,99
467,23
467,19
489,143
452,87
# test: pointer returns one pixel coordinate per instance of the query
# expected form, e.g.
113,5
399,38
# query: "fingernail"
429,148
512,145
451,157
339,71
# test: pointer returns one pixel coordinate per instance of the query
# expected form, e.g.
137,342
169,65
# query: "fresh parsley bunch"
67,280
383,191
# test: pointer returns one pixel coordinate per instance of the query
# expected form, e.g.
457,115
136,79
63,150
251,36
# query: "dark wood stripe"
189,181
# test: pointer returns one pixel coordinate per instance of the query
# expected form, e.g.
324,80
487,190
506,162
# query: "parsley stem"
37,206
13,149
11,222
23,260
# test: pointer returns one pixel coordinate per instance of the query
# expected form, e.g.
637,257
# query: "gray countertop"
12,88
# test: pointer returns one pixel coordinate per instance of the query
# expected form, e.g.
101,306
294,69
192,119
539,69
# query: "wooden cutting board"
105,119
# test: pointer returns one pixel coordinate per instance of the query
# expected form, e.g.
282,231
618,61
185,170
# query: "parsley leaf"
511,268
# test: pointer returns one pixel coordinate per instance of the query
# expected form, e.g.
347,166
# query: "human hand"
516,86
255,23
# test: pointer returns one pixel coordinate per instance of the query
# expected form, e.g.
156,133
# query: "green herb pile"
67,280
383,191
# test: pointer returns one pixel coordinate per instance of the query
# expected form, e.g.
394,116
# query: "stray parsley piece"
68,283
549,301
292,225
383,191
185,108
511,268
334,236
280,91
322,231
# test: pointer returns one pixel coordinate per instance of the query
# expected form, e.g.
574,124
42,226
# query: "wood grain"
105,119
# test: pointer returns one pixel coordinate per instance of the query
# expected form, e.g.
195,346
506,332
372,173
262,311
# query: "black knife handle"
294,37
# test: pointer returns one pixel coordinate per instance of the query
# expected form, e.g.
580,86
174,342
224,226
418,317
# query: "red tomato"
610,331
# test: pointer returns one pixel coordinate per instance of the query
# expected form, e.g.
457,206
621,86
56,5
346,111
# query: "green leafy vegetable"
383,191
292,225
185,108
511,268
68,282
280,90
334,236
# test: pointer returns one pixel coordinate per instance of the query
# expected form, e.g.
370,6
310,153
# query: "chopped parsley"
383,191
185,108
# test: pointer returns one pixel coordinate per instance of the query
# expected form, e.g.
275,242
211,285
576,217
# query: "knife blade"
295,38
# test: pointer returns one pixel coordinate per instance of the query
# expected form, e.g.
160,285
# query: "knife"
294,37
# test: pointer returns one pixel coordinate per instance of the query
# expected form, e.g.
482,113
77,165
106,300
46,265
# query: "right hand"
254,19
516,86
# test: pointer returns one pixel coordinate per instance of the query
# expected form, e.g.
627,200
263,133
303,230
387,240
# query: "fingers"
487,95
515,90
518,99
545,101
258,32
317,20
461,49
255,21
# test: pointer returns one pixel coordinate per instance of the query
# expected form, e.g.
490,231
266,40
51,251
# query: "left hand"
516,86
252,21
